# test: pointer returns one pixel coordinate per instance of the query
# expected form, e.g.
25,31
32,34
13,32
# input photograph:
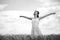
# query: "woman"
35,23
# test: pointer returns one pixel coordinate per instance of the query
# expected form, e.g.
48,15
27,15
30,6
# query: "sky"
30,5
21,4
11,23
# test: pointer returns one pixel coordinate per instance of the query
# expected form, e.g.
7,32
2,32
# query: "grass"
29,37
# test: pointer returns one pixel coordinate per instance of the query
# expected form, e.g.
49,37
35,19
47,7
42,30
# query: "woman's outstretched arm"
46,15
26,17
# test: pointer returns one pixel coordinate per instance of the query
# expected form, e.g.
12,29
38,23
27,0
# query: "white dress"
35,27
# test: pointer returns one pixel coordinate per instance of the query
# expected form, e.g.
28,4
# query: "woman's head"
36,14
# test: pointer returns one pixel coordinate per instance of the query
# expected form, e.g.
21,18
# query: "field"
29,37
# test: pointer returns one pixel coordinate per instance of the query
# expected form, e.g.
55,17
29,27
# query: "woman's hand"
21,16
53,13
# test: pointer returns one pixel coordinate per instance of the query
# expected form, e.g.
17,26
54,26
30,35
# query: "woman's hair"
37,13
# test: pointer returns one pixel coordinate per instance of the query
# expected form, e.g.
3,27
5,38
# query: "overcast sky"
21,4
26,4
11,23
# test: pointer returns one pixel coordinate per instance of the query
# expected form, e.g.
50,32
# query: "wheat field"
28,37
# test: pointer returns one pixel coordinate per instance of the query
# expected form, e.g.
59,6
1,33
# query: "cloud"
49,9
11,23
49,2
55,1
2,6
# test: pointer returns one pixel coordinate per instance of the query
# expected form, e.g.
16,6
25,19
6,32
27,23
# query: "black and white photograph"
29,19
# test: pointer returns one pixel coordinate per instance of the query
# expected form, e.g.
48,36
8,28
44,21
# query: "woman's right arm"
26,17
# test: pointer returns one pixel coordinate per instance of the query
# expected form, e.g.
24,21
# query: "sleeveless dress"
35,27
